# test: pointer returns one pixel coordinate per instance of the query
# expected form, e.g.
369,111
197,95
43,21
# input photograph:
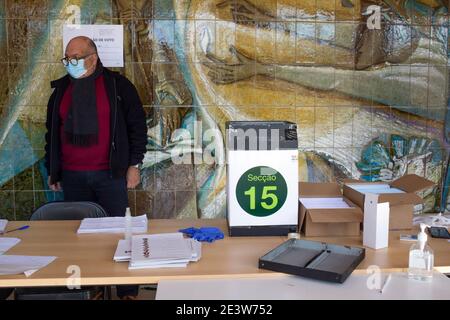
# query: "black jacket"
127,123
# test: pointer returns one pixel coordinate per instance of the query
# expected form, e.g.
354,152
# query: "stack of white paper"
324,203
165,250
23,264
139,224
196,249
3,224
375,188
123,251
436,220
7,243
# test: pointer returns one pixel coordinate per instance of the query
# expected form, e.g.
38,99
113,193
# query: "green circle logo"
261,191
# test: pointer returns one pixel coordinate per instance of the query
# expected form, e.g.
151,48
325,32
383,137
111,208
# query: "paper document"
28,265
7,243
123,251
324,203
139,224
196,249
435,220
3,223
374,188
163,250
408,237
108,39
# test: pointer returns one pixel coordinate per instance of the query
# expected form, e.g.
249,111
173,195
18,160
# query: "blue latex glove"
208,234
189,231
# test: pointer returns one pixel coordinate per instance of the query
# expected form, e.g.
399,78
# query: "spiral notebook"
165,250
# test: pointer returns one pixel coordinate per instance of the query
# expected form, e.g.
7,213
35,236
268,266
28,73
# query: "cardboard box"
400,194
323,222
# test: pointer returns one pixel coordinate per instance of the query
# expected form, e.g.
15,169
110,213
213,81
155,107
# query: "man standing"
96,133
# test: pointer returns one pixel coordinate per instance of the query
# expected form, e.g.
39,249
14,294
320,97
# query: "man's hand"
133,177
54,187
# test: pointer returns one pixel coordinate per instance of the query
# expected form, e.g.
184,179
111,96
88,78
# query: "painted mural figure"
326,51
382,57
157,75
250,60
156,68
389,157
166,81
161,84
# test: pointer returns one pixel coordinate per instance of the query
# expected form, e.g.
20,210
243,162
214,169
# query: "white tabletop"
286,287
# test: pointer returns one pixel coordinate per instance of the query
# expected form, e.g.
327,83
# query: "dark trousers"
99,187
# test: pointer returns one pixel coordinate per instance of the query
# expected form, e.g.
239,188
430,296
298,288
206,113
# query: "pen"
18,229
388,278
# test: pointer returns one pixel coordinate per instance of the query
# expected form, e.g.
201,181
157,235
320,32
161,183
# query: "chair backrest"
60,210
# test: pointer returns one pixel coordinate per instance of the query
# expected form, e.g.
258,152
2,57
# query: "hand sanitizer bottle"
128,224
421,258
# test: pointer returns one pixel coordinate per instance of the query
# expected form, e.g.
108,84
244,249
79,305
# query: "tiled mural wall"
370,103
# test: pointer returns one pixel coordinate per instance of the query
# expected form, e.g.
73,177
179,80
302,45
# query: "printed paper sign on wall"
108,38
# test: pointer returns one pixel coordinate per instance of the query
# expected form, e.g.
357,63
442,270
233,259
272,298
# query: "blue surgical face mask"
76,71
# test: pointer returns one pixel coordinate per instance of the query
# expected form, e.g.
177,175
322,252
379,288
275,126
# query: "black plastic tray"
313,259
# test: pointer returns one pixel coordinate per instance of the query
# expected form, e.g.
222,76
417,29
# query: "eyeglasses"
74,61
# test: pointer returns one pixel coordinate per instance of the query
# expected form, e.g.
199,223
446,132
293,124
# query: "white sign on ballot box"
108,39
278,202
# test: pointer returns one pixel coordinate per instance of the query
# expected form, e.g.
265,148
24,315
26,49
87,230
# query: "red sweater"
95,157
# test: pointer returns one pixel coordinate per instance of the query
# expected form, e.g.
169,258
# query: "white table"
286,287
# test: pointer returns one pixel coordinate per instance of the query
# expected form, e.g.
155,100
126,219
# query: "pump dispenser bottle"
421,258
128,224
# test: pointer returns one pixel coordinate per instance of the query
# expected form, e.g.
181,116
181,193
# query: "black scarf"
81,125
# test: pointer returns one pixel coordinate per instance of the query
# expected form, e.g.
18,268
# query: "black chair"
60,210
5,293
